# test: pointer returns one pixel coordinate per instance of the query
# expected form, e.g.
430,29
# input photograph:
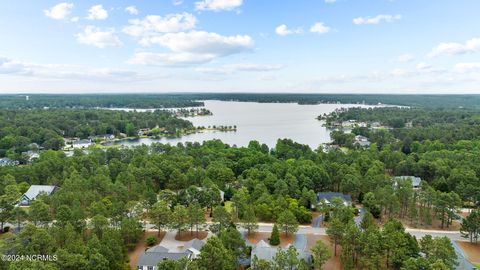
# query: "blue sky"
299,46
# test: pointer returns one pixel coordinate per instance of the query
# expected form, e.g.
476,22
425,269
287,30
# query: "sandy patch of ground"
472,250
141,247
187,236
334,262
257,236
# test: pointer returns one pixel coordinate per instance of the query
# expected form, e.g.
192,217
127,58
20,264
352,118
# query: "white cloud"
60,11
94,36
177,2
330,1
320,28
453,48
422,66
467,67
75,19
282,30
192,48
218,5
153,25
97,12
132,10
377,19
244,67
405,58
67,72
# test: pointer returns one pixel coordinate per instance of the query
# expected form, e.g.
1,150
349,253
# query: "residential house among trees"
151,257
416,181
327,197
33,192
263,251
8,162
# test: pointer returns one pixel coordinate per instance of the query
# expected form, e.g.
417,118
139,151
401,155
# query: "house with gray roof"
361,141
8,162
150,259
263,251
326,197
416,181
33,192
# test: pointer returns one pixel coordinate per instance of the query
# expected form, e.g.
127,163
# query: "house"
375,125
33,192
416,181
361,141
263,251
8,162
31,154
149,259
81,144
327,197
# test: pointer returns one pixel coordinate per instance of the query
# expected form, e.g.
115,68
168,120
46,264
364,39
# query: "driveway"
463,263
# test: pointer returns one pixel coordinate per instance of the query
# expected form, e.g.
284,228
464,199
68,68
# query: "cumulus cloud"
405,58
192,48
330,1
131,10
467,67
320,28
153,25
377,19
218,5
97,12
244,67
60,11
99,38
454,48
283,30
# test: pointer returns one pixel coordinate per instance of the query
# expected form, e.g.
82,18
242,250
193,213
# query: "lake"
264,122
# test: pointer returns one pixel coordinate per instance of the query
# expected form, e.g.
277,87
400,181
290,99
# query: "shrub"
151,240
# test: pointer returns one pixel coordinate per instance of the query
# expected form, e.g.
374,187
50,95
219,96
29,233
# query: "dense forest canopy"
194,99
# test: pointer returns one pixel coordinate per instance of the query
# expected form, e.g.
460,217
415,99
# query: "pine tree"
275,236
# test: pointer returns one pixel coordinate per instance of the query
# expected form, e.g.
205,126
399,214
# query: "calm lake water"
264,122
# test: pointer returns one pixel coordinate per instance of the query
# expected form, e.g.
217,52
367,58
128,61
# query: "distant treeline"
103,101
192,100
450,101
397,117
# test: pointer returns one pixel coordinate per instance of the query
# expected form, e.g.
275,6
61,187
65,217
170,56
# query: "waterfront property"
361,141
